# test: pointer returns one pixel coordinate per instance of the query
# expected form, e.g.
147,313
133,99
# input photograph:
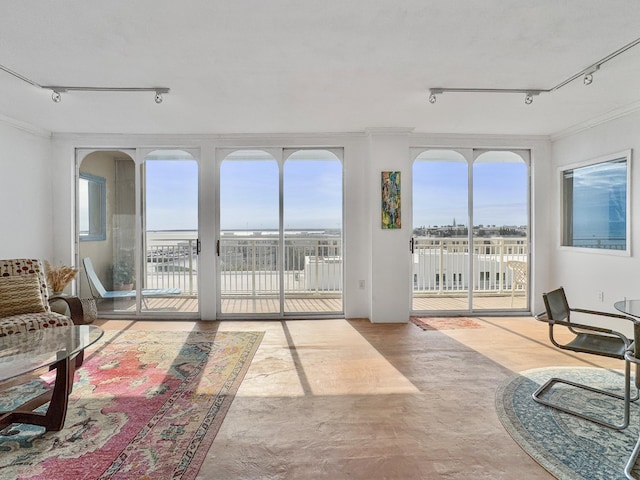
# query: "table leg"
58,398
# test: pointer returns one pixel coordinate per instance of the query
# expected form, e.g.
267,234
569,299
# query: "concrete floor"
347,399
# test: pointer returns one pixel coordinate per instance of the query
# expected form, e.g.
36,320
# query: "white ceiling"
267,66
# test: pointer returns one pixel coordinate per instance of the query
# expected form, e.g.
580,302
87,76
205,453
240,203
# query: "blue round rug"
569,447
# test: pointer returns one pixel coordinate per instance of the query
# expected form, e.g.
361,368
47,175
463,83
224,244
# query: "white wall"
584,274
391,266
26,191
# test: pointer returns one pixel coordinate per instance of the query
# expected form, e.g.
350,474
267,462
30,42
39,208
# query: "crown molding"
25,127
205,136
599,120
477,140
388,130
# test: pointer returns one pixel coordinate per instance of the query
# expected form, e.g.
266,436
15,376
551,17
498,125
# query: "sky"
248,194
440,193
599,201
171,194
313,194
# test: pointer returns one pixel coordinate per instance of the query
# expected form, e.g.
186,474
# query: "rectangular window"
595,204
92,207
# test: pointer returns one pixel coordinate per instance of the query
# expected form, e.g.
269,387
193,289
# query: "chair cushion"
32,321
25,266
20,294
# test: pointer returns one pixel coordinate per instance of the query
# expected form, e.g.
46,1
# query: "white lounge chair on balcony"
99,292
519,276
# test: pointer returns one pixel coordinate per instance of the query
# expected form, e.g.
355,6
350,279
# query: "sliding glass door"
170,261
280,243
106,220
501,233
470,231
312,232
440,231
248,247
277,216
134,267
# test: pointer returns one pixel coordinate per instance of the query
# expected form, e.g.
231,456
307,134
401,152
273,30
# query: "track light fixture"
56,90
586,74
528,99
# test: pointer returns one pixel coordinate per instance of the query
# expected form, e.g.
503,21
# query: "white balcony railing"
249,265
172,263
442,264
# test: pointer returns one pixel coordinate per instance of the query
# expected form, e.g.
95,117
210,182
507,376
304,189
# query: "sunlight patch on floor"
327,357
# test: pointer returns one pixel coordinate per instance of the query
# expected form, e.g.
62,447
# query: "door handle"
218,247
411,245
198,246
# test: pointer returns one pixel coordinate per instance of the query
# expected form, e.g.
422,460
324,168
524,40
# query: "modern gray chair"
587,339
633,356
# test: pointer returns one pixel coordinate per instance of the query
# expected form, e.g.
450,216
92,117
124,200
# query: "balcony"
250,279
441,278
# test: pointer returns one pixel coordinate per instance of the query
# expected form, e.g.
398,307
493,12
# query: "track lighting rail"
56,90
586,74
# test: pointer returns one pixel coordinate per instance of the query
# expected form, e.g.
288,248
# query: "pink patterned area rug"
145,405
445,323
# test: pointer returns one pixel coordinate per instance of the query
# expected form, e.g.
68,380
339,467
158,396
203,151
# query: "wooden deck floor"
291,305
460,302
183,304
309,305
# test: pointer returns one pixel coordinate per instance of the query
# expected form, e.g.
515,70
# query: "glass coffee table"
630,307
59,349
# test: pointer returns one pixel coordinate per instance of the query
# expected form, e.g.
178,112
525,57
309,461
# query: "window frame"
100,231
625,155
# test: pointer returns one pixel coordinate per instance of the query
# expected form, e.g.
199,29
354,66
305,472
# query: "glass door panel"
248,249
106,218
169,269
440,232
312,232
500,215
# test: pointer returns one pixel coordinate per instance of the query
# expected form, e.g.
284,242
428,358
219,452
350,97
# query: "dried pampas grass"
59,277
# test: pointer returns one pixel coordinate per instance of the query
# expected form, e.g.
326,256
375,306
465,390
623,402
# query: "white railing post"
317,248
253,268
441,266
190,267
503,268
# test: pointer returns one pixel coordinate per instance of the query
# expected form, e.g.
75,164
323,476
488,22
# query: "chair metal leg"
632,461
537,396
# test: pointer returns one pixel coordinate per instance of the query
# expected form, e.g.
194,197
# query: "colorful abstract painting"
391,200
